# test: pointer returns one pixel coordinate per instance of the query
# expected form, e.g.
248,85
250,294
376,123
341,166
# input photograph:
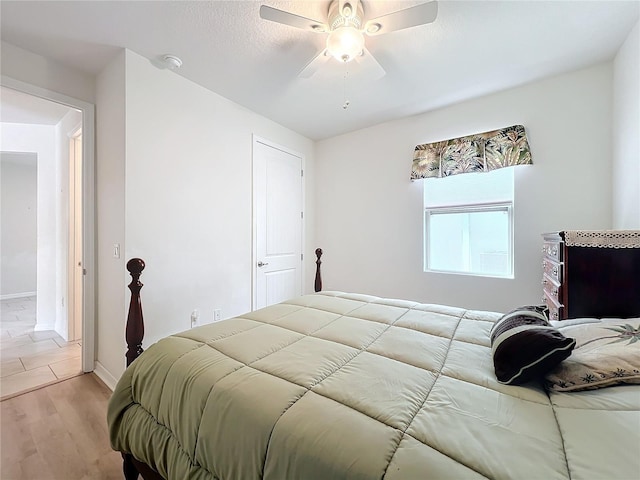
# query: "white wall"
110,200
40,139
186,172
37,70
626,133
369,215
188,195
18,223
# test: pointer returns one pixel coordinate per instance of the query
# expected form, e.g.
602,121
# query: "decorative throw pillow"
607,353
524,345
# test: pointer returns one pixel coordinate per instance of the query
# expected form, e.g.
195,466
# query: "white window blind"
469,224
484,187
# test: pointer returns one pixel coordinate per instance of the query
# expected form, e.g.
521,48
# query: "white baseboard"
11,296
104,375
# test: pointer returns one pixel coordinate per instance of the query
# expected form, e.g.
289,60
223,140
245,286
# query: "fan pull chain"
346,103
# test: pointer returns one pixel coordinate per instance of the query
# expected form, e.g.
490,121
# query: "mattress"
346,386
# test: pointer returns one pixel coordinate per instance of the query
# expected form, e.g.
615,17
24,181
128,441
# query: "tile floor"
31,359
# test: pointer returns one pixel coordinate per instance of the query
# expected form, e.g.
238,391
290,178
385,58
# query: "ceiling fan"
346,27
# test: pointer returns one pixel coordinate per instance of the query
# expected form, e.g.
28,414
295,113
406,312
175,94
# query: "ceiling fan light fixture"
345,43
345,25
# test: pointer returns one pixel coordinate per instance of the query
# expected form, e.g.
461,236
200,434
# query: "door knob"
262,264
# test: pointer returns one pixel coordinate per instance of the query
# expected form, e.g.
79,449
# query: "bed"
338,385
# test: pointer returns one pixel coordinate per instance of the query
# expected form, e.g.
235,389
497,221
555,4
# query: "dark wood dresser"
591,273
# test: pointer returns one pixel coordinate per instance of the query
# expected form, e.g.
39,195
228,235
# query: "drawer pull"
554,315
554,251
555,271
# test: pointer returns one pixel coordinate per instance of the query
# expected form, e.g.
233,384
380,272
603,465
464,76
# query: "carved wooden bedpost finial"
318,285
135,323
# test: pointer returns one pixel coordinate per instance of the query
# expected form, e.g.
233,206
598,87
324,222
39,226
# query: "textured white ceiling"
473,48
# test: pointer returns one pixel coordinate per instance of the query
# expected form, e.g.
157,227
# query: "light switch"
116,250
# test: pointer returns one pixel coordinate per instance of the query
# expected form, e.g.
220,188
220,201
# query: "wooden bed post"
134,335
128,468
135,323
131,467
318,285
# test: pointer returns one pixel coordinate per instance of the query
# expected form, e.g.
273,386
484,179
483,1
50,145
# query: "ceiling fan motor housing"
347,17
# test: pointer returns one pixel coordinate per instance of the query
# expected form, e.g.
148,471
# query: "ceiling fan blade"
409,17
291,19
369,66
314,65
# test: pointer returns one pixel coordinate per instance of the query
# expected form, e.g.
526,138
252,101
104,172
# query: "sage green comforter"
342,386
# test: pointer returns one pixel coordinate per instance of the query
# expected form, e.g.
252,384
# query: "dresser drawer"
556,311
552,289
553,250
552,270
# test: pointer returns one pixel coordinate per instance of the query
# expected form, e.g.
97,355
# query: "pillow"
524,345
607,353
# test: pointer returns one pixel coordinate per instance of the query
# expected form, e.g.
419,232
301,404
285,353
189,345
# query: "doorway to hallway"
43,322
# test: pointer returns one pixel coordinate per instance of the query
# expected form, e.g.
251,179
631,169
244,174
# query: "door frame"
254,231
88,207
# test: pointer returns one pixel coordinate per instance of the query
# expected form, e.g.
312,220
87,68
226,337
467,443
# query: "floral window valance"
481,152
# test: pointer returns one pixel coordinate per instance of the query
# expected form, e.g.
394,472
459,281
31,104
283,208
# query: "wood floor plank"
29,349
58,354
10,342
45,335
56,449
85,424
26,380
58,432
11,367
67,368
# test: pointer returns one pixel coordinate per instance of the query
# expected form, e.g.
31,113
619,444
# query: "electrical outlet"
194,318
217,314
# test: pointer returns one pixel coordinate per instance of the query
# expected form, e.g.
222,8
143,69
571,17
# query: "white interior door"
278,220
75,278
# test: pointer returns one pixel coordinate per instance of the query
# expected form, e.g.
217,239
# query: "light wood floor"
58,432
31,359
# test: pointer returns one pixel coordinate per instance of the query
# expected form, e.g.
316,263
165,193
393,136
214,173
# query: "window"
468,224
